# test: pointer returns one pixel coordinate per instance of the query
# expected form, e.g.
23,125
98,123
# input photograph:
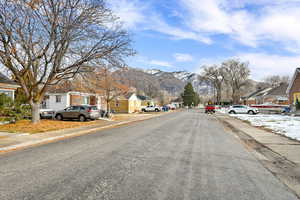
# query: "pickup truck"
210,109
151,109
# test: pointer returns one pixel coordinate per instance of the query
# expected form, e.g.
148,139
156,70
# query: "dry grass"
25,126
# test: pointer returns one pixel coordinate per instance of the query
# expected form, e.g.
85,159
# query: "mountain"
154,80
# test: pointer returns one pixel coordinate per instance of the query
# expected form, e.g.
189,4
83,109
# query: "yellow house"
146,101
126,104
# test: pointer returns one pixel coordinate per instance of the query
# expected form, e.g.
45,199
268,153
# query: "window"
7,93
86,100
58,98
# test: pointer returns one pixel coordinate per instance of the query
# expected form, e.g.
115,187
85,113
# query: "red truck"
209,109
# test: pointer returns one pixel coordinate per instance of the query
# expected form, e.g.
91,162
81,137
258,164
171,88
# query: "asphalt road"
184,155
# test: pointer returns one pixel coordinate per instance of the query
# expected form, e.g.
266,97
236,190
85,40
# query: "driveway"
184,155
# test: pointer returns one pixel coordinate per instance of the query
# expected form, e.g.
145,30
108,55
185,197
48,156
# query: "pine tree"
297,104
188,95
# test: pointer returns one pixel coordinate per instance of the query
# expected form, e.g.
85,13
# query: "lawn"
25,126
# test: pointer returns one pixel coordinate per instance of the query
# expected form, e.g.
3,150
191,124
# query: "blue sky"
186,34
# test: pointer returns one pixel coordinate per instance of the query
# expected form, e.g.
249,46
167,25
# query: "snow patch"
281,124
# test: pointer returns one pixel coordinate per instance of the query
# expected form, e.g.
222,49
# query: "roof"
68,86
279,90
5,80
143,98
128,95
255,93
259,92
297,71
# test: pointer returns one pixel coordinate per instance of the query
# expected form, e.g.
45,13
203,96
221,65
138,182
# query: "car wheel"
59,117
81,118
156,110
232,112
251,112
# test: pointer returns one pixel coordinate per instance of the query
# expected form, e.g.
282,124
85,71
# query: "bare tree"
215,75
236,76
276,80
45,41
107,81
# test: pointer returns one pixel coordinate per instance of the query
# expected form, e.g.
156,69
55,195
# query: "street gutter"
284,169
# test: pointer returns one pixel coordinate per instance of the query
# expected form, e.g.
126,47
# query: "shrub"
13,110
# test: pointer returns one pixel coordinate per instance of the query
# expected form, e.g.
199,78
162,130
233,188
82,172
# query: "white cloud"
161,63
136,14
262,64
271,20
129,12
182,57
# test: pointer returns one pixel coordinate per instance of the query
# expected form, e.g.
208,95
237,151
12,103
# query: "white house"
58,98
8,86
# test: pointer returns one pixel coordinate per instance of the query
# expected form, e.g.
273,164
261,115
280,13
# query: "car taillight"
90,110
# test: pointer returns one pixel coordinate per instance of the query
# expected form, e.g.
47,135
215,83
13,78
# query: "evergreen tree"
196,99
297,104
188,95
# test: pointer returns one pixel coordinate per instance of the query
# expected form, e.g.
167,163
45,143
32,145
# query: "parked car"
165,108
81,112
286,110
151,109
209,109
47,113
242,109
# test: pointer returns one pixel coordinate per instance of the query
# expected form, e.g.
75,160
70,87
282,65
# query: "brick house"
277,95
293,90
7,86
269,95
256,97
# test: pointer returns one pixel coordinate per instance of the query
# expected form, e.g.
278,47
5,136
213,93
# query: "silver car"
81,112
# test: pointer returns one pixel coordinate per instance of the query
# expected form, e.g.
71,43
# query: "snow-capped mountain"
199,84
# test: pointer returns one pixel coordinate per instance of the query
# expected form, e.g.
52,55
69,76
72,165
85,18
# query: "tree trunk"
219,96
35,112
108,108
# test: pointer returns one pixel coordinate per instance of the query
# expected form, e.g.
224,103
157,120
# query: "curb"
285,170
28,144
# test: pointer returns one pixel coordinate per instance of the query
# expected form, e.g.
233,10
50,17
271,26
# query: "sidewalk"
15,141
277,143
279,154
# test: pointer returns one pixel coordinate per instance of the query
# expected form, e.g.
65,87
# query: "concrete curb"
280,166
68,135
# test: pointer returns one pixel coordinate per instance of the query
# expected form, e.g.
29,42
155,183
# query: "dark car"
81,112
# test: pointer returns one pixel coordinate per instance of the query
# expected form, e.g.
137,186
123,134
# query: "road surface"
184,155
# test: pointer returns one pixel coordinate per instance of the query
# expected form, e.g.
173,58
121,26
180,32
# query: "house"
129,103
8,86
68,94
146,101
256,97
277,95
293,90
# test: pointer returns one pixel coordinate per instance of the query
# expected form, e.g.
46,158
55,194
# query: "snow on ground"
281,124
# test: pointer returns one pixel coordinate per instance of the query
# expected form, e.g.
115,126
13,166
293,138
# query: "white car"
151,109
47,113
241,109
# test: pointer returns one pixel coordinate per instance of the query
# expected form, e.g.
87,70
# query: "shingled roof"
279,90
5,80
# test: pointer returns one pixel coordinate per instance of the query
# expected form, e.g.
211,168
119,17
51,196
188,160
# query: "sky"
175,35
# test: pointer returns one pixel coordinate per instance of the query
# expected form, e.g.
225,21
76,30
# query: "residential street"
182,155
